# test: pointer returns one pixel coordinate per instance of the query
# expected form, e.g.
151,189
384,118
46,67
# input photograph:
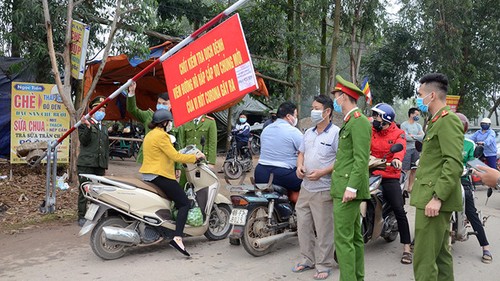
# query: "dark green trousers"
82,201
432,257
349,243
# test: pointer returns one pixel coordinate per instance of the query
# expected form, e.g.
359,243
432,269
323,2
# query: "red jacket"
381,145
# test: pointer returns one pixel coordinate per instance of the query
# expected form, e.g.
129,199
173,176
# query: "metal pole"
168,54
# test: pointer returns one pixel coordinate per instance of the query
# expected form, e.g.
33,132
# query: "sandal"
406,258
322,275
487,257
301,268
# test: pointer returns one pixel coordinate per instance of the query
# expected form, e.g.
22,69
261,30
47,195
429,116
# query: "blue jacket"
242,132
489,139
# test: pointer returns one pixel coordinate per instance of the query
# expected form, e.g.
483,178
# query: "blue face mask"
162,106
416,118
420,104
485,126
243,120
336,106
99,115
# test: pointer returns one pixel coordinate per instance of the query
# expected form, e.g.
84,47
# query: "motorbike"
461,228
127,212
123,146
236,163
254,143
377,217
262,215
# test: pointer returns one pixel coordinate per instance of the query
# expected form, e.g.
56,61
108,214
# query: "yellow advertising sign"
37,114
452,101
79,41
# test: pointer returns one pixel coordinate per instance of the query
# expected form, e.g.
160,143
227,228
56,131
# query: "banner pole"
168,54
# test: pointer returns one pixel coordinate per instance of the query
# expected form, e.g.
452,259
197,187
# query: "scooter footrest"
164,214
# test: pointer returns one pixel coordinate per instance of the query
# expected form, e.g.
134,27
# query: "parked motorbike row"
127,212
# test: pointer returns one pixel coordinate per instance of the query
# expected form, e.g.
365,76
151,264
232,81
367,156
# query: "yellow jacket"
160,155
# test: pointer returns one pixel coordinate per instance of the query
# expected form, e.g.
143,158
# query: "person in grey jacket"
414,133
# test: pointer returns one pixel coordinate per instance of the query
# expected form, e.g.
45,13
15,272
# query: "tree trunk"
15,49
335,44
229,126
323,70
290,52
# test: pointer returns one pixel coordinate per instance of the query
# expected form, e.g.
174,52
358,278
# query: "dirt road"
55,252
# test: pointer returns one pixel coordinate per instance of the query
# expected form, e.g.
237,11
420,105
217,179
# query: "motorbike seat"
139,183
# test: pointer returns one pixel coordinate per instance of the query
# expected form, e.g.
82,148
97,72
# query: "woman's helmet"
385,111
465,121
161,116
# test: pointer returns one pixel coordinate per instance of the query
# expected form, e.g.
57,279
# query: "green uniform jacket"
94,146
189,134
440,165
143,116
351,166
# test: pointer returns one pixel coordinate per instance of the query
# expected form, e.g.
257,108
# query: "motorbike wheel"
255,146
255,228
218,223
103,248
232,170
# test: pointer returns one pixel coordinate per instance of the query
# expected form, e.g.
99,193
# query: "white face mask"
317,116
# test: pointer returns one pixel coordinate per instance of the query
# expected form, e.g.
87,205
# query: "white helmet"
486,120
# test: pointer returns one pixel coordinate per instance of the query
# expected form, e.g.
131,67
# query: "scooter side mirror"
396,148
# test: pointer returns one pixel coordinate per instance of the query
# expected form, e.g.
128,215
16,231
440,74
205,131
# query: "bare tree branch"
133,29
53,61
104,58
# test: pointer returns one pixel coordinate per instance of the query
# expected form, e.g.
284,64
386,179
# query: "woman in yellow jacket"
158,168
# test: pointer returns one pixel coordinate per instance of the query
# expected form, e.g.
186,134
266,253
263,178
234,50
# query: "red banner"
212,71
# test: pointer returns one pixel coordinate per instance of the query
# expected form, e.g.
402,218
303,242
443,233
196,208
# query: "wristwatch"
435,196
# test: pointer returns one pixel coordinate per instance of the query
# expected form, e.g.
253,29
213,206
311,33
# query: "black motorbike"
237,162
262,215
121,140
254,142
377,217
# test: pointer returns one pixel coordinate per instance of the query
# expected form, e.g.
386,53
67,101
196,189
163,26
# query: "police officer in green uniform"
94,151
350,181
192,132
145,116
436,191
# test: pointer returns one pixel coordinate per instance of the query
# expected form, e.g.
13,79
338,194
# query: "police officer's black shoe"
81,222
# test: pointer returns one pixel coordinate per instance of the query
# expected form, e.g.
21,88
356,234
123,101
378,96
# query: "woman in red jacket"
385,134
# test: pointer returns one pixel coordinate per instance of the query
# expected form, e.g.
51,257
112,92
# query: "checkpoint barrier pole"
168,54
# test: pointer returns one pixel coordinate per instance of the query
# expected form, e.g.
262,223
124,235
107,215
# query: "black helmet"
161,116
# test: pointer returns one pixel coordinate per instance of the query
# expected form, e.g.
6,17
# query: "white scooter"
127,212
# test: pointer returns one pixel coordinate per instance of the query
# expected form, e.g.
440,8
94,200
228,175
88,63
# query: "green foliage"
456,37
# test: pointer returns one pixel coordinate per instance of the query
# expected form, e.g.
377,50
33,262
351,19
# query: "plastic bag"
195,216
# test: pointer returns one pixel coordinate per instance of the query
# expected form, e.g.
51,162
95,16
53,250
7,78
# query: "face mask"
485,126
317,116
162,106
243,120
416,118
377,125
168,128
420,104
337,106
99,115
295,120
